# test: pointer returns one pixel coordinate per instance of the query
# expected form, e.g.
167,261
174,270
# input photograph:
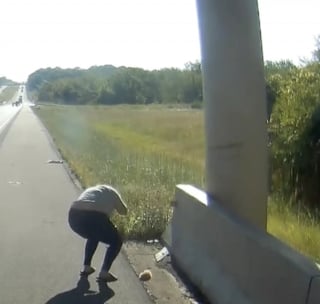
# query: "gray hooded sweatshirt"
101,198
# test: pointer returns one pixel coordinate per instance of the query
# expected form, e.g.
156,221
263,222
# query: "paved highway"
40,256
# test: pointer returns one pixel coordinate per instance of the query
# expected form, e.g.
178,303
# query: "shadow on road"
83,295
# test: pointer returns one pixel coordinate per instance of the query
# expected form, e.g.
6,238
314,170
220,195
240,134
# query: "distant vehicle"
18,102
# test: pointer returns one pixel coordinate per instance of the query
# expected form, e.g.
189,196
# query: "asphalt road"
40,257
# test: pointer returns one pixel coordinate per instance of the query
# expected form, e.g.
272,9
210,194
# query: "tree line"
293,104
111,85
6,82
294,129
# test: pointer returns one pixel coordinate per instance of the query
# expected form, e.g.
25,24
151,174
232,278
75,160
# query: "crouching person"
89,217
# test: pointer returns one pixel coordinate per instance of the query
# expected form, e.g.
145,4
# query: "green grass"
8,93
115,145
298,228
144,152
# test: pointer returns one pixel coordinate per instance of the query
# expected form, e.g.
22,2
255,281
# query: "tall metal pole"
235,106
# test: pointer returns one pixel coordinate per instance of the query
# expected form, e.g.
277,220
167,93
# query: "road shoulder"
166,285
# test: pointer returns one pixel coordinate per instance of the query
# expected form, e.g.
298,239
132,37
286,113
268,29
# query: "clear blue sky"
144,33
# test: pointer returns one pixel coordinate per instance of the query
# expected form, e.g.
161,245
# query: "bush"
295,136
197,105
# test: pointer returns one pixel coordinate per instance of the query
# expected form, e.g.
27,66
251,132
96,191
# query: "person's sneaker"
87,270
105,276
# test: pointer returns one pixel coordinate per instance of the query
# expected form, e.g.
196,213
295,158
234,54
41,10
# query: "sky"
150,34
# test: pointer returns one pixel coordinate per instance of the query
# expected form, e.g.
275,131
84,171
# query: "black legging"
96,227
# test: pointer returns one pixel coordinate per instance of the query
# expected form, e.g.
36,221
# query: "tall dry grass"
144,152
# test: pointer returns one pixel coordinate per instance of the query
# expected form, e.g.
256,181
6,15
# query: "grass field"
8,93
145,152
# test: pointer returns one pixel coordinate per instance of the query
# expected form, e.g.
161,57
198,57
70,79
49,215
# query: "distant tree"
106,95
133,86
192,87
102,72
6,81
296,135
316,52
110,85
171,83
276,72
282,67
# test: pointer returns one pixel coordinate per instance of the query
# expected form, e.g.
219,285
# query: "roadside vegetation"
6,82
8,93
144,161
108,85
145,150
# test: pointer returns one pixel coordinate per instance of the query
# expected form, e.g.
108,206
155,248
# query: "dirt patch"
166,284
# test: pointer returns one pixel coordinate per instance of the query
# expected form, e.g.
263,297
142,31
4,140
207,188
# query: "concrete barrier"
233,262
